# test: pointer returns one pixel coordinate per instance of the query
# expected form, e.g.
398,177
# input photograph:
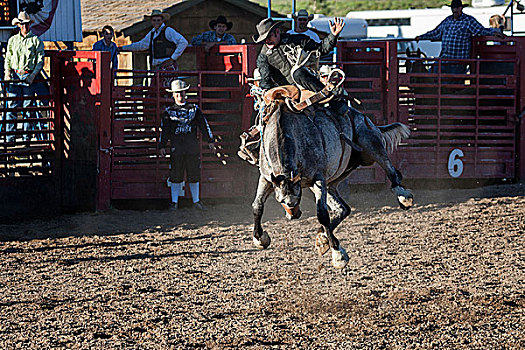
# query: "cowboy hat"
302,14
165,16
23,17
178,86
220,19
265,27
456,3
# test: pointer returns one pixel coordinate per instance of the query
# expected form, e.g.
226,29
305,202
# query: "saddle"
297,100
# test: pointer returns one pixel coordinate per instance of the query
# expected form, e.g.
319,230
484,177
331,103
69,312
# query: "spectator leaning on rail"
164,43
179,125
455,33
217,36
301,19
106,44
23,62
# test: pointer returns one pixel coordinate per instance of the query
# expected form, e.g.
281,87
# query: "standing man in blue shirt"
217,36
106,44
455,33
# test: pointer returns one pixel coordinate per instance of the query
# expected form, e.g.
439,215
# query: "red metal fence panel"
463,125
137,170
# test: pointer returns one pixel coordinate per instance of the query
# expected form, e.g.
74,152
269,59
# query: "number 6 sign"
455,165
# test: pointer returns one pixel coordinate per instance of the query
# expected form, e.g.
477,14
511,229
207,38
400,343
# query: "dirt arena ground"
448,274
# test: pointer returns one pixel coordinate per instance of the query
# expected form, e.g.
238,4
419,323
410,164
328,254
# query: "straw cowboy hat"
165,16
457,3
220,19
264,28
303,14
178,86
23,17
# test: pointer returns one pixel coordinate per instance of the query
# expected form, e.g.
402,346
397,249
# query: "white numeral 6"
455,165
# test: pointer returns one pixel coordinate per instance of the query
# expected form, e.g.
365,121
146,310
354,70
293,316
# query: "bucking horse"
317,148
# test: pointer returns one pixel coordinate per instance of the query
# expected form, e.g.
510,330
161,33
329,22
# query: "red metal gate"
137,170
463,125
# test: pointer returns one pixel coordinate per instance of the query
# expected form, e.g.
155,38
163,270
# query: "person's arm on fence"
477,29
141,45
197,40
434,35
229,39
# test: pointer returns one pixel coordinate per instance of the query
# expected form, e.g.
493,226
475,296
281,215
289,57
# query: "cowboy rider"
278,60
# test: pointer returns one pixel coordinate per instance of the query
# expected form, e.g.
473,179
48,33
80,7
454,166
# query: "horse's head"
288,192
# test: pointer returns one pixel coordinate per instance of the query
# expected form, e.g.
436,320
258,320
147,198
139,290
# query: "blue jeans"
19,90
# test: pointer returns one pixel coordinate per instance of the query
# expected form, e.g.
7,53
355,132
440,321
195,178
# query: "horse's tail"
393,134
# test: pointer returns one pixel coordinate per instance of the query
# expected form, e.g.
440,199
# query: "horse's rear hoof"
339,258
405,203
262,243
404,197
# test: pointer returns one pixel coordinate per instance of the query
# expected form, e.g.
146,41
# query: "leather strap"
324,94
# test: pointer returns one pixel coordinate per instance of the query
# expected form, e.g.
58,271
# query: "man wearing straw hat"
217,36
164,43
179,125
23,62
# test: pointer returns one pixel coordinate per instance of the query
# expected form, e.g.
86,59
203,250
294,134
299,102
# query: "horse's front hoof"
262,243
339,258
321,243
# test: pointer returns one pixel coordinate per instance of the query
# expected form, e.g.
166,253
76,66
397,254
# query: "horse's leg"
339,256
373,148
261,240
340,209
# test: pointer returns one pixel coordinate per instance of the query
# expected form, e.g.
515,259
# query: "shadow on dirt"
230,216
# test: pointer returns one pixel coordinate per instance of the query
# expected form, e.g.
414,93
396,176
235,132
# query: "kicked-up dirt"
447,274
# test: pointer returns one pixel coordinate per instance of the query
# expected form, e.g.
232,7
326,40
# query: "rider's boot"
250,143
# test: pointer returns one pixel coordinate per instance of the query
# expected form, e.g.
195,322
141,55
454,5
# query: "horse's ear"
408,52
418,52
277,180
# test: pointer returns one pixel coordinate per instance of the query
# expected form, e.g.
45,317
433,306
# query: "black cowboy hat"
457,3
221,19
264,28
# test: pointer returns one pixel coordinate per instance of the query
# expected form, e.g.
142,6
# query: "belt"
18,71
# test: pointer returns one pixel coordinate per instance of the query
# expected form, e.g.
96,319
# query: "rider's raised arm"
325,46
